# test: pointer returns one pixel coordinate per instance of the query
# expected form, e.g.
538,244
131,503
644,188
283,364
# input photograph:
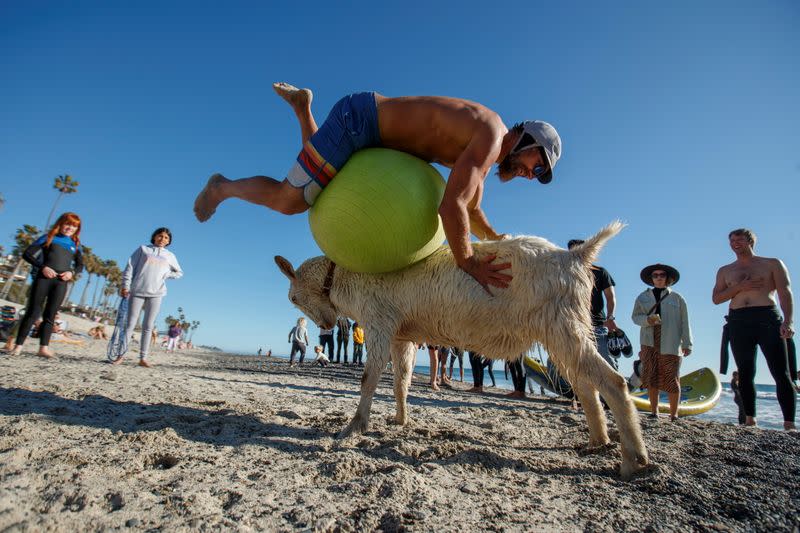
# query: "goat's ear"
285,266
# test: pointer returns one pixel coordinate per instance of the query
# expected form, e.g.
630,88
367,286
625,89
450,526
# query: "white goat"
433,301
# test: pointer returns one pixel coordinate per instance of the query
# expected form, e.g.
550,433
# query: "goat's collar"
328,283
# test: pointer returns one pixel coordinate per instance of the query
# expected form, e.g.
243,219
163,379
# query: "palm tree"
113,279
195,324
88,265
101,270
65,185
23,238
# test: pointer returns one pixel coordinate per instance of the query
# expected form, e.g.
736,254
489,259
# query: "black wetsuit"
760,326
62,255
477,363
517,374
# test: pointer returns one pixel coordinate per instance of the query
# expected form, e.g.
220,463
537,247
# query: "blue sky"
679,118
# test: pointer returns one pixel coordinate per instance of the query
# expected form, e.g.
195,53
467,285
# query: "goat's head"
306,290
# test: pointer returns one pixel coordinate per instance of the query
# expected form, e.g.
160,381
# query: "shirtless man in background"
462,135
751,283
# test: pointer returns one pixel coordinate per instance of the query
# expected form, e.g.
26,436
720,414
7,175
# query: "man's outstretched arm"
463,188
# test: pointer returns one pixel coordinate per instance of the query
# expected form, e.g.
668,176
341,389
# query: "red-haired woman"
56,258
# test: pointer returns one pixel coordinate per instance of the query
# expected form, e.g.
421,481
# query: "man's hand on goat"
487,273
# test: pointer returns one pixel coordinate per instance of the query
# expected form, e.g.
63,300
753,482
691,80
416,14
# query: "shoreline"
205,439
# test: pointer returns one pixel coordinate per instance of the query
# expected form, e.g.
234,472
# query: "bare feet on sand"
117,361
209,198
297,98
516,394
14,350
478,390
45,352
144,363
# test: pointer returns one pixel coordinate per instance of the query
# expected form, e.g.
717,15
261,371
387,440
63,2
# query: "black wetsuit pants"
752,327
517,375
476,365
326,341
53,290
342,338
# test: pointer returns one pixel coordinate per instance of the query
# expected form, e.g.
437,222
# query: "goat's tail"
589,250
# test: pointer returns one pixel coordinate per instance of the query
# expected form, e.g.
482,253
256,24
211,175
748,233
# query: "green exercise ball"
380,213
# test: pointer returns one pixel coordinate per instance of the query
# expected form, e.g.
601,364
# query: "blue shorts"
351,125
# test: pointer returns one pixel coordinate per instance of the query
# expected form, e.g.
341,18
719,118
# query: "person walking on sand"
465,136
56,259
144,282
751,283
664,319
173,337
298,336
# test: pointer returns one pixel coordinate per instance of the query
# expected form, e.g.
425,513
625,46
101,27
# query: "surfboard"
700,392
550,381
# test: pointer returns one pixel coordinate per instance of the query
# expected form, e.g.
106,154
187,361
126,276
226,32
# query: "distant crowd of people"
298,338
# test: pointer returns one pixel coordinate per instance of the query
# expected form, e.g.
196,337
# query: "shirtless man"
750,283
462,135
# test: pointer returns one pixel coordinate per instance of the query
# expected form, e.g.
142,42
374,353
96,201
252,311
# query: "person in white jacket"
665,335
144,282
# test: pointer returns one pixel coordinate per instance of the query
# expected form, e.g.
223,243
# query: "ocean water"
768,412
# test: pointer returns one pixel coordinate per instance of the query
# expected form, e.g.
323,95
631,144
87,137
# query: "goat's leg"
595,417
403,353
614,390
378,350
570,356
589,374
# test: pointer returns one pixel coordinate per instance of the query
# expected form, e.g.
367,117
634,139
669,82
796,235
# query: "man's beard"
506,167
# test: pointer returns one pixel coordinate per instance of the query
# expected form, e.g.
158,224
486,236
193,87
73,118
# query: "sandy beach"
208,441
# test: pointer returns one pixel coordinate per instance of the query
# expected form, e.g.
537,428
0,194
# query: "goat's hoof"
355,427
629,469
400,420
592,449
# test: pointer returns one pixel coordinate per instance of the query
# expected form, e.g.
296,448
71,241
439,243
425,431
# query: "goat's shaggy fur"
435,302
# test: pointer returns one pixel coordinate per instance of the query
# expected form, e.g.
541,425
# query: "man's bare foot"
789,426
434,386
478,390
516,394
117,361
45,352
297,98
144,363
210,197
